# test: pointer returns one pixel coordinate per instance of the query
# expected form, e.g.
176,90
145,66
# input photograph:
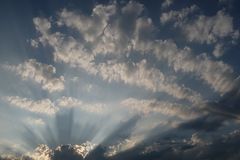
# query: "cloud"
218,50
163,107
77,151
209,29
44,106
219,75
216,113
42,152
223,147
86,25
227,106
167,3
124,145
177,17
68,50
208,123
150,78
49,107
40,73
201,28
197,140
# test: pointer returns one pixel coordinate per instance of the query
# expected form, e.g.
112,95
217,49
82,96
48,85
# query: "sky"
156,79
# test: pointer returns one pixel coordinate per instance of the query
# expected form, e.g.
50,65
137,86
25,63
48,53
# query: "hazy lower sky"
147,79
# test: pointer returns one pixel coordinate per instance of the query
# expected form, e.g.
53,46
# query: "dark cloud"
203,123
227,106
66,152
224,147
220,148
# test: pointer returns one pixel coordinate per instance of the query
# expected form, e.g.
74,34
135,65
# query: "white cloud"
202,29
123,145
87,25
82,149
111,35
209,29
197,140
71,52
44,106
68,102
167,3
150,78
34,43
40,73
163,107
217,74
42,24
218,50
78,53
42,152
178,17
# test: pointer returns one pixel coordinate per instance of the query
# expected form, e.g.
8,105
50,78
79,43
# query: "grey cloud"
205,123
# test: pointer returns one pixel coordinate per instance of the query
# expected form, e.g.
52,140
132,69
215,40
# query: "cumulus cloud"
219,75
167,3
140,75
44,106
209,29
49,107
202,29
77,151
177,17
68,50
40,73
42,152
218,50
